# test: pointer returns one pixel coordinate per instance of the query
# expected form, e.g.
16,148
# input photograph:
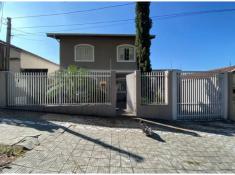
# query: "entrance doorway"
121,93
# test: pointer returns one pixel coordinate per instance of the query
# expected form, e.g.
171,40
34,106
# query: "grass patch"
9,153
11,150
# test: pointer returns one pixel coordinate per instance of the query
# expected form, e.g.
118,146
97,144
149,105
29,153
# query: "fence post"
166,74
174,94
138,91
225,95
113,90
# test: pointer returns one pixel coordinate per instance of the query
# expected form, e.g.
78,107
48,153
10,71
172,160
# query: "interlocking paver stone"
127,170
115,170
138,170
103,169
115,162
81,169
102,145
11,169
24,170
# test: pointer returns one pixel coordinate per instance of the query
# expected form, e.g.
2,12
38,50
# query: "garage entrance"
200,95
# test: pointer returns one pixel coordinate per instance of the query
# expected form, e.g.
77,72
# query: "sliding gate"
200,95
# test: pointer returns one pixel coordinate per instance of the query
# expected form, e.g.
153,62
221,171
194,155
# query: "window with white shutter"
126,53
84,52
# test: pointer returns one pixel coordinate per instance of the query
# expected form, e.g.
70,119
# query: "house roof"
22,50
60,35
224,69
210,72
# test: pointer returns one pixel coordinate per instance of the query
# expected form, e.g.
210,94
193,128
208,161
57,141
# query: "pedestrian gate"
200,95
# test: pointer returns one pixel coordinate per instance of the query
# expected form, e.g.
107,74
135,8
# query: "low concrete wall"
97,110
3,88
155,111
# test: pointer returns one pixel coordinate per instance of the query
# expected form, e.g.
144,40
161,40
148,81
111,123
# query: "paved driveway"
78,144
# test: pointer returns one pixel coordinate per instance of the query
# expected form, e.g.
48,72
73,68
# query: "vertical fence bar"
31,88
64,89
18,87
25,90
37,88
93,88
15,89
55,87
10,89
101,88
46,89
10,76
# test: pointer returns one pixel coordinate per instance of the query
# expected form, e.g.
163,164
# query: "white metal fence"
154,87
200,95
59,88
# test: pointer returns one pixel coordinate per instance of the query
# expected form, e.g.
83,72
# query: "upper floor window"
84,52
126,53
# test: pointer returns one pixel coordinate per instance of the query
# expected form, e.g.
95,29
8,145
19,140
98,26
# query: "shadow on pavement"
219,127
46,125
157,137
191,128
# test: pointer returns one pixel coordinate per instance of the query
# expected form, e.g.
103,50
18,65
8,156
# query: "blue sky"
197,42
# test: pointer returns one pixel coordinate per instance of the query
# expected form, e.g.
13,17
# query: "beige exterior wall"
29,61
14,65
105,52
14,53
23,60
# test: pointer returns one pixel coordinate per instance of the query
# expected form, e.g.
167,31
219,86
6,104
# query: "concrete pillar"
131,93
174,94
138,91
225,95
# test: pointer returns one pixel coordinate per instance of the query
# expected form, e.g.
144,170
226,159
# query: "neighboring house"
231,86
99,52
224,69
25,61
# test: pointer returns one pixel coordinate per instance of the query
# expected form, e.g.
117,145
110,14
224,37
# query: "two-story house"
99,52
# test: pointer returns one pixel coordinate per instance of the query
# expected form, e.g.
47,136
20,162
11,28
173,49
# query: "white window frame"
93,53
127,45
